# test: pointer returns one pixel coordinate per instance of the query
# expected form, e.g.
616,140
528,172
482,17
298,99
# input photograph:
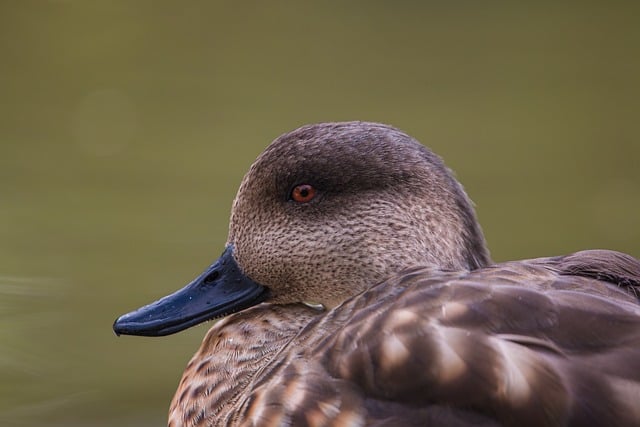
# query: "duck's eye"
303,193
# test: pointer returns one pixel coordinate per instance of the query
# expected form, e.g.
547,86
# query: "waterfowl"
356,289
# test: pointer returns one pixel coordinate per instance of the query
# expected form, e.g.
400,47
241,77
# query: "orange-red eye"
303,193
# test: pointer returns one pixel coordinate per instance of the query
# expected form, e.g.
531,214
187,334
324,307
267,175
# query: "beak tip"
118,327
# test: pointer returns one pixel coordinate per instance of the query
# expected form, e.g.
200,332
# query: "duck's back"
553,341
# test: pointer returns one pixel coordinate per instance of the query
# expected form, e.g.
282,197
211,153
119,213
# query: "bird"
356,289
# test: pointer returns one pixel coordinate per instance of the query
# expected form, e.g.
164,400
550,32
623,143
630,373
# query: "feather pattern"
543,342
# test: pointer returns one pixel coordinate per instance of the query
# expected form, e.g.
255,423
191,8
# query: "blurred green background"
126,126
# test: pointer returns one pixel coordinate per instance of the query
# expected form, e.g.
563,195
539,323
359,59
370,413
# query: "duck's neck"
232,353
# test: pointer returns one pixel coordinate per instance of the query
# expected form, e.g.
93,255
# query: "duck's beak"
222,289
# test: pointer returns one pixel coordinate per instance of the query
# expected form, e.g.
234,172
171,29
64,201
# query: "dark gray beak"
221,290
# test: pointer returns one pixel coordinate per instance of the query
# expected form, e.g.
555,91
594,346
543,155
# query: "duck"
356,289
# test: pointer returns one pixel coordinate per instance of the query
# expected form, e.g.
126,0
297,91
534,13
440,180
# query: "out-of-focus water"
125,128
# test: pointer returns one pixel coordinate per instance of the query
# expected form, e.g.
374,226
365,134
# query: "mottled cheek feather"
329,258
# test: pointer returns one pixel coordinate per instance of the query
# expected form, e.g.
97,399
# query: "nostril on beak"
211,277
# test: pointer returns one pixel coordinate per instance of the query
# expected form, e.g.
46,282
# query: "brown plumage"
419,329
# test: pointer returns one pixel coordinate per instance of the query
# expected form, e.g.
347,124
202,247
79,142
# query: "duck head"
325,212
